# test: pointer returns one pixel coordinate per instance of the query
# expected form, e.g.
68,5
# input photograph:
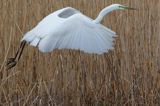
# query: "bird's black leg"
11,62
21,51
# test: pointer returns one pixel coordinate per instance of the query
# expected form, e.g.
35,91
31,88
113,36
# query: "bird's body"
68,28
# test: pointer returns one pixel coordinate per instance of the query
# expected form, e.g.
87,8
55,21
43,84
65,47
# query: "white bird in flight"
68,28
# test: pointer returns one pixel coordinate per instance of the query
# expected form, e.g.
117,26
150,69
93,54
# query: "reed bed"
126,76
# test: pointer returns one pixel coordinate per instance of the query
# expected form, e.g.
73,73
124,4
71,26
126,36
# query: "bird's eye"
121,7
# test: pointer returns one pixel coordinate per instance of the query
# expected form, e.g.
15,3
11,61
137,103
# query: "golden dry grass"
129,75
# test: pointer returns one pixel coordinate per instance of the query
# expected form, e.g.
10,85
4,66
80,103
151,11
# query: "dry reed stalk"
129,75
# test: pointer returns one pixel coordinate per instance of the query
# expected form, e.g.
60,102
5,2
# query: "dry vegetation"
129,75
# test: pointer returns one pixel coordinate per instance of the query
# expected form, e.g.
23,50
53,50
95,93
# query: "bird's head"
122,7
111,8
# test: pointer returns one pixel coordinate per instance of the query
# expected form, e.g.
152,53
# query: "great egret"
68,28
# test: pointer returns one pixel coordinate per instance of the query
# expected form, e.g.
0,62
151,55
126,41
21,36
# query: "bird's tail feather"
31,38
35,42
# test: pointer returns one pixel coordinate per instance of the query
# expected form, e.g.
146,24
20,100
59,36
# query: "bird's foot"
11,62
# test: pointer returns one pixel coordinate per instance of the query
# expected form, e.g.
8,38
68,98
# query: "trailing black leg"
21,50
11,62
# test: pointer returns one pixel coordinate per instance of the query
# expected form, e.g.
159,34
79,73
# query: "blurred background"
128,75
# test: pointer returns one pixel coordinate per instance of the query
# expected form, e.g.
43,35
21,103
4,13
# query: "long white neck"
103,13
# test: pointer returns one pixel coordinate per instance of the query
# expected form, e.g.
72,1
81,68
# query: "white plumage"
68,28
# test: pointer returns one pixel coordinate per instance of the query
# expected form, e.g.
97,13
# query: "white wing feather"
79,33
88,40
76,32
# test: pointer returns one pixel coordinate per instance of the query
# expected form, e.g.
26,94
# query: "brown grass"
129,75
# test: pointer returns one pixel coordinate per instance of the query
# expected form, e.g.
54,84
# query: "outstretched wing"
91,40
80,33
48,25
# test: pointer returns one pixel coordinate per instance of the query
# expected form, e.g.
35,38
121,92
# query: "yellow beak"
128,8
